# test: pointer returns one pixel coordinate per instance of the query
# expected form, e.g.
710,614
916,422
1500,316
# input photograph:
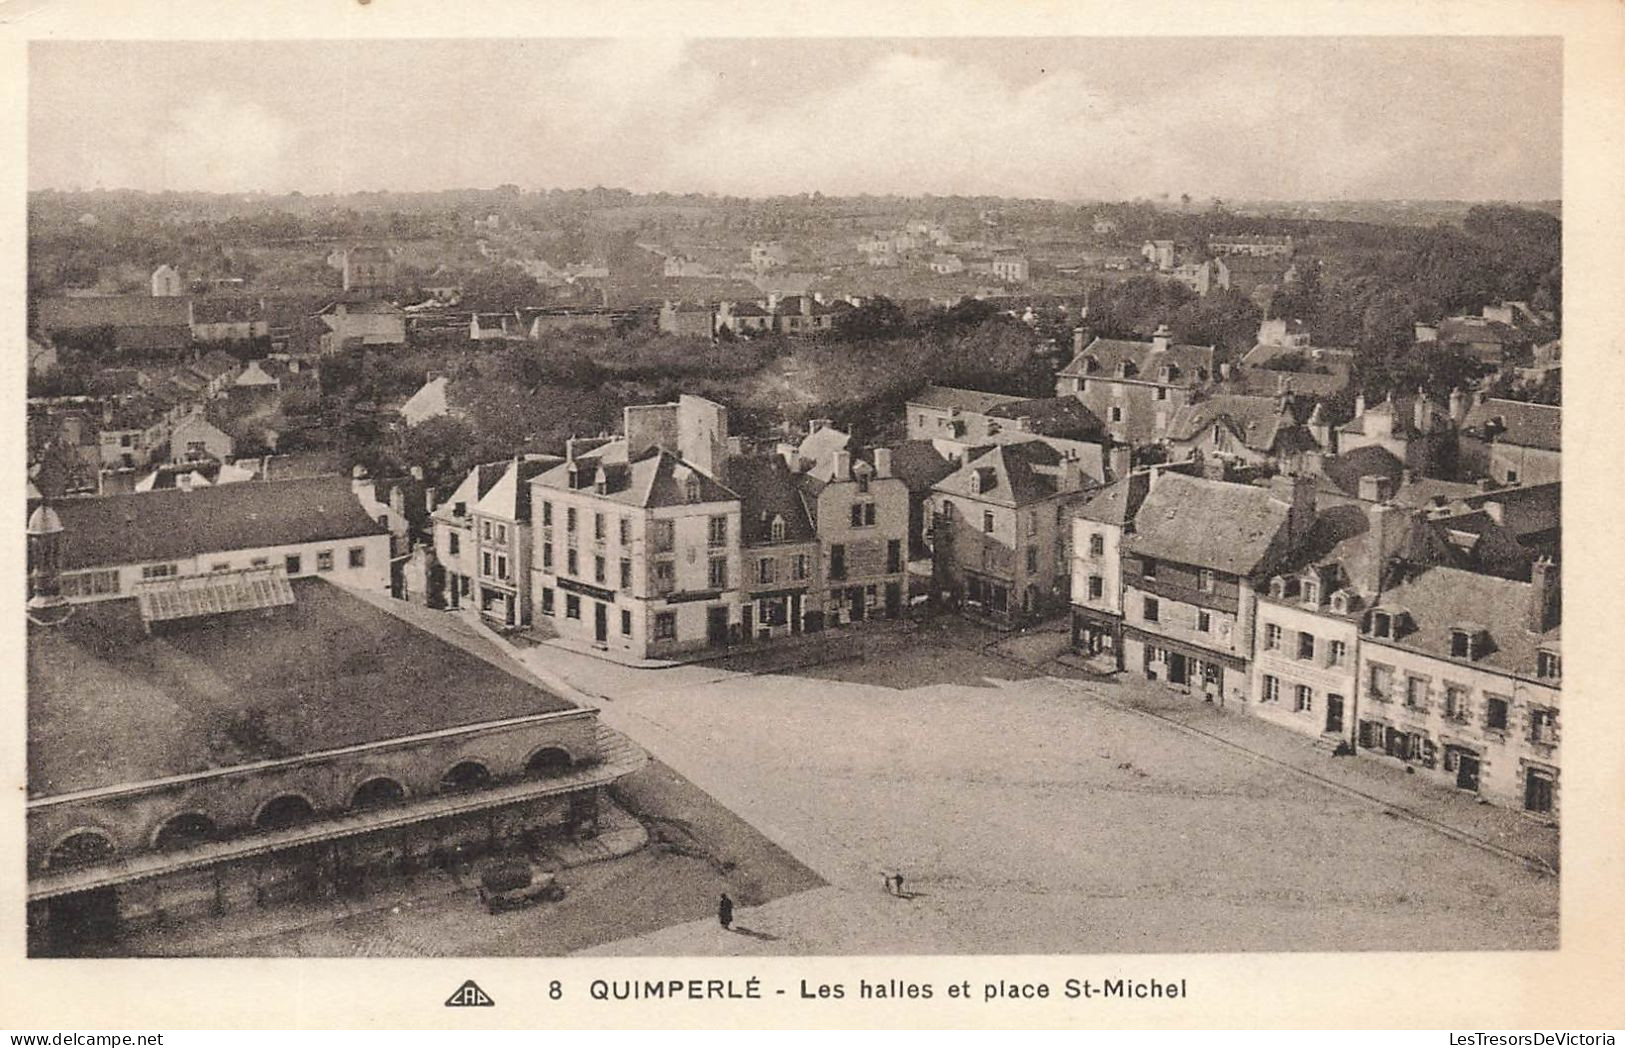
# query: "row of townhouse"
1335,622
796,315
669,538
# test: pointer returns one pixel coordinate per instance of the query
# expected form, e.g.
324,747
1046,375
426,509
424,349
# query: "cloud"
227,145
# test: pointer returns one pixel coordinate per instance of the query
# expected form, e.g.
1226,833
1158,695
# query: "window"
717,534
666,625
1148,567
766,569
1512,476
1204,580
1416,692
1272,636
1461,644
324,560
1032,560
358,556
894,555
1548,664
665,536
547,556
501,532
775,530
485,530
1097,587
1303,698
502,566
625,526
220,565
1306,645
1204,622
1151,609
1116,413
485,563
1032,523
547,600
570,519
837,561
1495,712
1382,683
1097,545
1381,624
572,562
600,572
863,483
1456,706
572,606
665,576
626,623
291,564
798,566
599,528
547,514
1539,788
1272,689
1162,393
1311,592
1543,725
260,562
987,521
1337,652
452,544
718,573
159,571
626,573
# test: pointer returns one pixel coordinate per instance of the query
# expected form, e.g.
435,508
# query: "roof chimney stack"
1543,596
882,463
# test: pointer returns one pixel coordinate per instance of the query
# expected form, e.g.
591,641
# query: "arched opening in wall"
380,792
465,775
281,813
81,848
186,830
548,762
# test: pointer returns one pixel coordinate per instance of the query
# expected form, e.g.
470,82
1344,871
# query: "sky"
1066,118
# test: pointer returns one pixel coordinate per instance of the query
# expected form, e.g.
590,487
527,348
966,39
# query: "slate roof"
145,527
1191,364
1118,502
1345,470
226,309
1476,329
1208,523
1065,417
331,670
1008,475
656,477
1263,381
1261,423
954,399
768,489
1404,411
216,363
1517,423
1443,597
509,497
918,464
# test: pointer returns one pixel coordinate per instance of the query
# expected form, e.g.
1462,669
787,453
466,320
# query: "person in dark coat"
725,911
898,881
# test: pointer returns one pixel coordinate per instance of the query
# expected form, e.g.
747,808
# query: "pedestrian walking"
898,881
725,911
885,879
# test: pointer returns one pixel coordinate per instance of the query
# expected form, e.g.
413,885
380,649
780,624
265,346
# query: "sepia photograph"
725,497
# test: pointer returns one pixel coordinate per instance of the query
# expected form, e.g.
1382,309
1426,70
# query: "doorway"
747,621
1467,771
600,622
716,627
855,606
1176,668
1334,714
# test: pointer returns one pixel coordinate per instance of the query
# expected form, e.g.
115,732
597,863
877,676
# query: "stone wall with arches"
227,802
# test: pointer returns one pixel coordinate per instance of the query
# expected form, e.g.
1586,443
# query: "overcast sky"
1461,118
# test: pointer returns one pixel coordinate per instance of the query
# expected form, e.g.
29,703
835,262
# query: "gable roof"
143,528
1006,474
1208,523
509,497
1261,423
226,309
918,464
768,490
1100,358
1345,470
1443,597
655,478
1118,502
1517,423
1053,417
954,399
120,311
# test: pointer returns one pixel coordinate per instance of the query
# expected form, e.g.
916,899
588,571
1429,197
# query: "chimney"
806,305
1301,517
1159,339
1458,406
1376,488
882,463
1543,596
1117,461
1406,477
736,446
397,500
1389,535
1419,410
1224,371
816,424
1077,340
1359,405
843,466
429,500
773,301
1496,511
417,473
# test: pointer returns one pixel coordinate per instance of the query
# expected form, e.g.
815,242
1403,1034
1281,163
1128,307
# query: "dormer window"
600,484
1467,642
863,482
1311,592
1282,587
1340,602
1090,365
691,489
1548,665
1381,624
775,529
